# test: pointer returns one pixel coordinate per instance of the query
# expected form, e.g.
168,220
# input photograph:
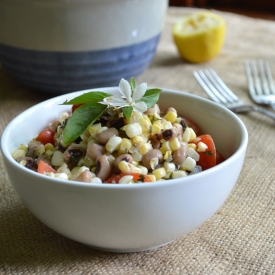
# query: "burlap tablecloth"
238,239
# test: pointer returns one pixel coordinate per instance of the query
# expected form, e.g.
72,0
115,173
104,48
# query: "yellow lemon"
200,36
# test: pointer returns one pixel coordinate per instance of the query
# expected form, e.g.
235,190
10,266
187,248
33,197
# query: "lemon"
200,36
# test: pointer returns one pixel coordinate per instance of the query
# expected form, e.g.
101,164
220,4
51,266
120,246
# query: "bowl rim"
185,180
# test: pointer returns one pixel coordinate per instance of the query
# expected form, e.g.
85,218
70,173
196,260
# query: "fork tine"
269,77
208,87
226,91
265,87
257,83
249,78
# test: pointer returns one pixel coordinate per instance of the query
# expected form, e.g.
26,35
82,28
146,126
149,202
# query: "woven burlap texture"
238,239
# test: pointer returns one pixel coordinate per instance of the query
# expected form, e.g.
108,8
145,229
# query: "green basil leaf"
127,111
81,119
87,97
151,97
132,83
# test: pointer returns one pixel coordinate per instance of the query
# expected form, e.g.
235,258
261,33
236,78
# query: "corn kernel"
18,153
202,147
193,154
144,148
166,124
145,124
125,145
189,164
174,144
143,169
165,147
171,116
138,140
126,167
93,128
126,179
156,129
113,144
57,158
169,166
152,178
137,156
49,146
133,129
193,135
167,155
192,145
159,173
179,174
187,135
96,180
158,122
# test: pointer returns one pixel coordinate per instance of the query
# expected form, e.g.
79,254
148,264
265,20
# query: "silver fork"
260,82
220,93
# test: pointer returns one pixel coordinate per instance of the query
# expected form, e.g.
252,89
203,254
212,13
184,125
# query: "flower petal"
139,91
125,89
115,101
140,107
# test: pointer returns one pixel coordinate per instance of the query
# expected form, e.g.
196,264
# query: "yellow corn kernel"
168,175
93,128
193,135
167,155
146,118
126,179
113,144
189,164
18,153
125,145
169,167
144,148
145,124
133,129
48,146
123,167
156,129
159,173
143,169
126,167
187,135
165,147
152,178
166,124
179,174
202,147
137,156
192,145
174,144
137,140
39,150
171,116
158,122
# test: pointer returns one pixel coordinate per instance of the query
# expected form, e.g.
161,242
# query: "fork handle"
249,108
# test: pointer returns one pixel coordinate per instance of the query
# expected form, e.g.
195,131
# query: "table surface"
238,239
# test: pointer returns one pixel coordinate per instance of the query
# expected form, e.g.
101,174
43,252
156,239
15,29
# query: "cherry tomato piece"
75,106
191,124
207,158
136,177
44,167
46,136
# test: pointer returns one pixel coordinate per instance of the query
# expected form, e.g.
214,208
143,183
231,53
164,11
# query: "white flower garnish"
128,98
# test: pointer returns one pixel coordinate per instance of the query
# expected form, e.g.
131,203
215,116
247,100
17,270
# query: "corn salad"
158,145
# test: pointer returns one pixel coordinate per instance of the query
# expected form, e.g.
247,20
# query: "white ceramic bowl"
62,46
127,218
